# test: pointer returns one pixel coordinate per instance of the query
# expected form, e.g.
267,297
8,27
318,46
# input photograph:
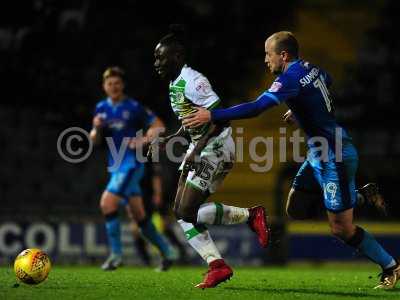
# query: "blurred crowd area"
56,51
52,55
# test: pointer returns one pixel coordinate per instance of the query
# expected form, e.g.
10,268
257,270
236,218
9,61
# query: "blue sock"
369,246
113,229
150,232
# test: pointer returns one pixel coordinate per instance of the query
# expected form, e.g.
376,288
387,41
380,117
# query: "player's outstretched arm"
241,111
159,142
154,131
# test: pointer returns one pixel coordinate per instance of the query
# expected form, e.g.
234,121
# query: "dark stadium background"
52,55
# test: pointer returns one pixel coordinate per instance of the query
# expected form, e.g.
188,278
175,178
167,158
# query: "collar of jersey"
109,101
176,79
291,64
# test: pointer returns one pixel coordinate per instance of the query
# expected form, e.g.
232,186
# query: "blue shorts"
334,179
126,183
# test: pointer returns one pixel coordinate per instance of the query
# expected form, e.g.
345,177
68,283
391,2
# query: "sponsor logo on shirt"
126,114
180,98
116,124
204,87
275,87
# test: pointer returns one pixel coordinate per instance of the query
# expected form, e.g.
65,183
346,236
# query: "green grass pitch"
293,282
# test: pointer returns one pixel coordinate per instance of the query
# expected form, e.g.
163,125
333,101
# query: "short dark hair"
176,37
285,41
113,71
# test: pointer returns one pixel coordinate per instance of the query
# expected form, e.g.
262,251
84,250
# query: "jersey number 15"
319,83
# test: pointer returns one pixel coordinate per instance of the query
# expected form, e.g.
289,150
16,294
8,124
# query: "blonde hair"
113,72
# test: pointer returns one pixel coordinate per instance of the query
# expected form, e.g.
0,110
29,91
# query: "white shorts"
217,160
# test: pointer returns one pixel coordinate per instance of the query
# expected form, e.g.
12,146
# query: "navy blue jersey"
304,88
123,120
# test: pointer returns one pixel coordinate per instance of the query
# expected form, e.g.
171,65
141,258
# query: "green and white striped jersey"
190,90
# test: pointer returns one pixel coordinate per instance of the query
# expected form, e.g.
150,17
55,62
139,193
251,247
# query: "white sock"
215,213
200,240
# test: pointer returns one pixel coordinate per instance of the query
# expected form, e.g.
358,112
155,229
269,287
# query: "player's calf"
186,214
113,232
189,204
150,232
344,232
366,244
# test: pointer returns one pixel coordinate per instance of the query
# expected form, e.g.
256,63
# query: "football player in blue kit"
119,119
304,89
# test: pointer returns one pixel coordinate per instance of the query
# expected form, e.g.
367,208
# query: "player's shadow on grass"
302,291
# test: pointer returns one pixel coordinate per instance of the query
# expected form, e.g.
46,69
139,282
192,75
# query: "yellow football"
32,266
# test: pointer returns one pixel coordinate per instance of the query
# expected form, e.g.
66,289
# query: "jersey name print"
305,89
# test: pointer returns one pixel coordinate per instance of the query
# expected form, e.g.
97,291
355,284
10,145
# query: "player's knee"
108,203
105,207
342,231
339,233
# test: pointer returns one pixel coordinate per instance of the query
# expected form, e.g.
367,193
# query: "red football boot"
218,272
258,223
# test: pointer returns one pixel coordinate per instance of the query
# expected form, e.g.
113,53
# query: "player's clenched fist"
289,118
98,122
